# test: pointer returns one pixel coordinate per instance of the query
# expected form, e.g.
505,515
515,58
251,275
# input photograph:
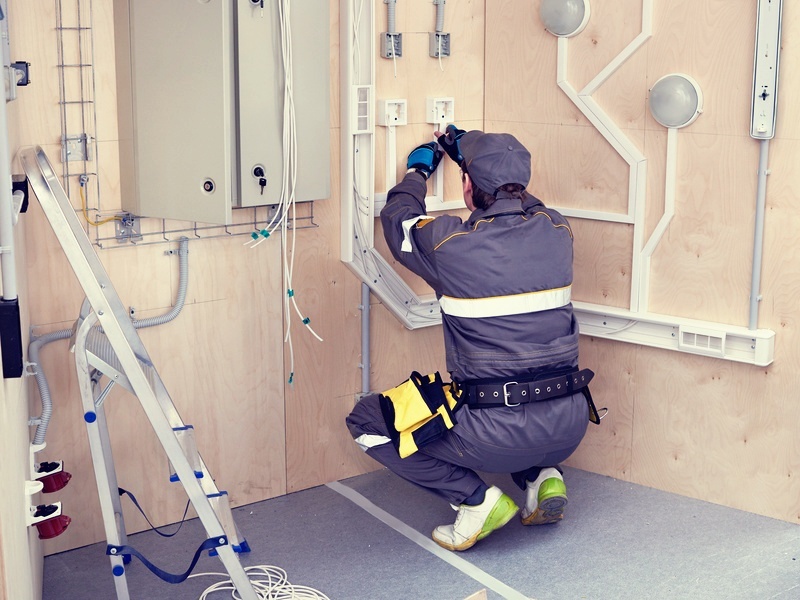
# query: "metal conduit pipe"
38,343
758,243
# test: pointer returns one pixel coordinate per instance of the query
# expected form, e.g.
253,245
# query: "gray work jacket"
504,253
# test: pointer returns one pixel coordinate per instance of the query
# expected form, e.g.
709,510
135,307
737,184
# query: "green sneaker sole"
502,512
552,501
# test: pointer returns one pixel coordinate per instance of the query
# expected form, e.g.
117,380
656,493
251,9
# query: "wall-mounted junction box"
438,44
392,112
200,88
439,110
391,45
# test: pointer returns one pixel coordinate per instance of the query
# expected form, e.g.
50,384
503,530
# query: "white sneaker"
474,523
546,499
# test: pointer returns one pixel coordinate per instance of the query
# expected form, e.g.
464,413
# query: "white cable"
269,583
286,207
394,59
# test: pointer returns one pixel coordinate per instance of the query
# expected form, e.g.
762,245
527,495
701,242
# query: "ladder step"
185,436
221,506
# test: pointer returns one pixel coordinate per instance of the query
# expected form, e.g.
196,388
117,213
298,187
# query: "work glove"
425,158
449,143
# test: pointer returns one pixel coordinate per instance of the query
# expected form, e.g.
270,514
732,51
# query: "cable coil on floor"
270,583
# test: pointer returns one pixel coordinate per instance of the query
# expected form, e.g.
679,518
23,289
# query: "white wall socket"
439,110
392,112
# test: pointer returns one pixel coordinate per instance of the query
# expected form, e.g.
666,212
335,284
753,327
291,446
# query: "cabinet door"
260,89
176,107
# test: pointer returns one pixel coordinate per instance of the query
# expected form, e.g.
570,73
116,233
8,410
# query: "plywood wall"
702,427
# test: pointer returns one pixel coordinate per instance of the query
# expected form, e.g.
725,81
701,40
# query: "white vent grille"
703,341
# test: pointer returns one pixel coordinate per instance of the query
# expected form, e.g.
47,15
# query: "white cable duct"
637,187
666,218
7,261
105,353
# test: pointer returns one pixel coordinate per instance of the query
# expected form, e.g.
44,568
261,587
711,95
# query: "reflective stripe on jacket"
503,278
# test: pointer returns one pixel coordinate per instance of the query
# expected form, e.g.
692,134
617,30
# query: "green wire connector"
290,293
254,235
306,321
265,233
291,377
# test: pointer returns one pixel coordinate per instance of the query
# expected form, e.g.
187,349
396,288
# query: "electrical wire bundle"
286,208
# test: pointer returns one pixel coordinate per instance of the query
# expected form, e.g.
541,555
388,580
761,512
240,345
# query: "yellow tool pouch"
418,411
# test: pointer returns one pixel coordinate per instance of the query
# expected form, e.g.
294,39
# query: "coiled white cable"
269,583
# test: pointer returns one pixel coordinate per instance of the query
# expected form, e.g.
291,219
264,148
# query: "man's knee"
366,417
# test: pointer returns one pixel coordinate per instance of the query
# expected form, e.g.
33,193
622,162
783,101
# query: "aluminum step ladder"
119,354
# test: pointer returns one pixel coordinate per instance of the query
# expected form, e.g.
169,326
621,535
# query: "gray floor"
618,541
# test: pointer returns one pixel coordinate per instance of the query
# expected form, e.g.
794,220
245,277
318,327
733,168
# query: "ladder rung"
185,435
221,506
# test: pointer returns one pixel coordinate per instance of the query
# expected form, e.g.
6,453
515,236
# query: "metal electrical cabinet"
200,95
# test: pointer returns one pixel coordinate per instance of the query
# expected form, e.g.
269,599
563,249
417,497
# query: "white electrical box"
392,112
200,88
439,110
765,69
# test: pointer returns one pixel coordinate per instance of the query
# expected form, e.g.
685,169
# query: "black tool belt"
512,393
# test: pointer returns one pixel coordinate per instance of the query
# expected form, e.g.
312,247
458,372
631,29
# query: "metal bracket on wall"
128,229
76,147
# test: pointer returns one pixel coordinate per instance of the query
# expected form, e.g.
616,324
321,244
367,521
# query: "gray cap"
494,159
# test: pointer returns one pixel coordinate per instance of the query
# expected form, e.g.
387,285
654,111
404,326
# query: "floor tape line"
428,544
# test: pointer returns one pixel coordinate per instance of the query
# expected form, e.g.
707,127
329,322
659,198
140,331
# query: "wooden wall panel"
702,268
232,382
712,42
326,375
319,448
711,429
606,449
419,76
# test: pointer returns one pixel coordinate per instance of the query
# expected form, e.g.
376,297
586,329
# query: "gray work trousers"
494,440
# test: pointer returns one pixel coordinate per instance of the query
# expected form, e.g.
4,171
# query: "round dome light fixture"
564,18
675,100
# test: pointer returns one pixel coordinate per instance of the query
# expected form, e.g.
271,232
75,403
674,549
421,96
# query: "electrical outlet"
439,110
392,112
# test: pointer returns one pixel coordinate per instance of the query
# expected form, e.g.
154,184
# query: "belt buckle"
507,394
